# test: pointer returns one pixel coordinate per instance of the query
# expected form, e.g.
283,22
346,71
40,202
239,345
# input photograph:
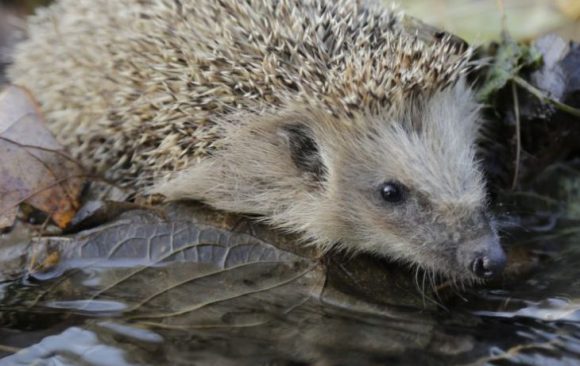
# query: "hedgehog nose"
489,262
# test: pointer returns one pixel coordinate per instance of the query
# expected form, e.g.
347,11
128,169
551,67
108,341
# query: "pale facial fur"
319,175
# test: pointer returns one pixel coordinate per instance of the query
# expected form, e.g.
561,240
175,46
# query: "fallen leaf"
34,167
187,272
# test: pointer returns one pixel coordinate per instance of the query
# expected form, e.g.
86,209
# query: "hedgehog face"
412,189
403,185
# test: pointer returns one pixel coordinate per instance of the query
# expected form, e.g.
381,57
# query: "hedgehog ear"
304,150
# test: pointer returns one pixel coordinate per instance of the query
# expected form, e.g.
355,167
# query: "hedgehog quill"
326,118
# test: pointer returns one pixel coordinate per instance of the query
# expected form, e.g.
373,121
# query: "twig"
518,136
545,99
9,349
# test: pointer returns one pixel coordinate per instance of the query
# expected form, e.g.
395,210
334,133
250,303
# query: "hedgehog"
326,118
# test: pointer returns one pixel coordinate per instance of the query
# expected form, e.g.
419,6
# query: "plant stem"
544,99
518,136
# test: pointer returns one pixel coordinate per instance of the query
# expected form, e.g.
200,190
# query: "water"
146,290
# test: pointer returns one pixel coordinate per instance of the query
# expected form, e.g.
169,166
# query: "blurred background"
477,21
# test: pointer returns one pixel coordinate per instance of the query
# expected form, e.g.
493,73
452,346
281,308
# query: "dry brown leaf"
33,165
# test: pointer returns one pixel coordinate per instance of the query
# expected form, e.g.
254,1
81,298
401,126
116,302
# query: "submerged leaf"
192,271
179,272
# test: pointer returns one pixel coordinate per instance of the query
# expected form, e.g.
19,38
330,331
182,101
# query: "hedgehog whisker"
416,277
423,287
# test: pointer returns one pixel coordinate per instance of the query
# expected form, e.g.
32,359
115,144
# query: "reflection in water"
147,290
75,346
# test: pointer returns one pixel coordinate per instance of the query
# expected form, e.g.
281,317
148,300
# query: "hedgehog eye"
393,192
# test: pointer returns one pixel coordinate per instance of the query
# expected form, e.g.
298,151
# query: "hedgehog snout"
484,257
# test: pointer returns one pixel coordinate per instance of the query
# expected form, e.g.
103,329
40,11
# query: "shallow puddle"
145,290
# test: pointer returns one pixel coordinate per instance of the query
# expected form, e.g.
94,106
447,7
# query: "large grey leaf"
189,271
